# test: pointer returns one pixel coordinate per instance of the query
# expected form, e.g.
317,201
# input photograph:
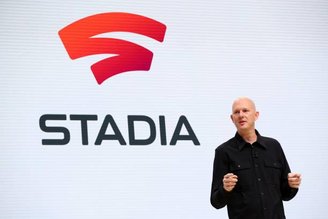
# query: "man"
250,172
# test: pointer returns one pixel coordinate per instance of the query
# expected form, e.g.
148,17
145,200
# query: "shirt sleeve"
286,191
219,196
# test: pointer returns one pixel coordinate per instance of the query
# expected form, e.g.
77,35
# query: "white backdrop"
214,51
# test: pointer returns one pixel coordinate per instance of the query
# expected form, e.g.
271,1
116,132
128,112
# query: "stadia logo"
79,40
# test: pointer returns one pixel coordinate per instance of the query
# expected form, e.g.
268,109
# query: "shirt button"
262,193
259,179
256,165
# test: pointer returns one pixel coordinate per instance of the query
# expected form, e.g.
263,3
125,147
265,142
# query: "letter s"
54,129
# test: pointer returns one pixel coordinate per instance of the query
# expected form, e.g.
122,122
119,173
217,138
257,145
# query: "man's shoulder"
269,141
226,144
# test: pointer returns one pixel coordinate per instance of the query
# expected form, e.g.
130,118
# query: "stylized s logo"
79,42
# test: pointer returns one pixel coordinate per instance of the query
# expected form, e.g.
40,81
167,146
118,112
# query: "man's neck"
249,136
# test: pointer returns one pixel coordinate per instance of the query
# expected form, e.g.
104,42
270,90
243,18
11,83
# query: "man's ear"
257,114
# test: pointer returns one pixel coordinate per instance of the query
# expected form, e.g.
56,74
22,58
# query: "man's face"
244,115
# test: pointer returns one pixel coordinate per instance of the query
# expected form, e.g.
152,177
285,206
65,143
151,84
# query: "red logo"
79,41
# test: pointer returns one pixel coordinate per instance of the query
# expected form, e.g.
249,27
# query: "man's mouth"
242,122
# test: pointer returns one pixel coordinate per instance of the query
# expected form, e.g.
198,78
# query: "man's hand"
294,180
229,181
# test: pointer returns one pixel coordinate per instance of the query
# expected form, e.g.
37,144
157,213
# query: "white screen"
213,52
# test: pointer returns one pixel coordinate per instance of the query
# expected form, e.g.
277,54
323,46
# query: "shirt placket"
259,178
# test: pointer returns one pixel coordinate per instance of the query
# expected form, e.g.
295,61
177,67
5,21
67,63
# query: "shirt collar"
241,143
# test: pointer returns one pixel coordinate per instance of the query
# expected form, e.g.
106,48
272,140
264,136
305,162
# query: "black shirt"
262,171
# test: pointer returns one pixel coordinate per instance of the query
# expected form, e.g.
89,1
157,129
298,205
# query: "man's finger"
293,175
230,180
230,175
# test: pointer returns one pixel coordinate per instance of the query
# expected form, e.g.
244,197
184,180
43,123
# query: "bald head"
245,100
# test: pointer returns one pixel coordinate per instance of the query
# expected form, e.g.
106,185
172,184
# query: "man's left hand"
294,180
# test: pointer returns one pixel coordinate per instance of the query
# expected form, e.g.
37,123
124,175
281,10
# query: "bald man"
250,173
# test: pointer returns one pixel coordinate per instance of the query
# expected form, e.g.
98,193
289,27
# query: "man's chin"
243,128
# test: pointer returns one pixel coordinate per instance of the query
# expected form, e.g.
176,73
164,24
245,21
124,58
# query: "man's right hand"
229,181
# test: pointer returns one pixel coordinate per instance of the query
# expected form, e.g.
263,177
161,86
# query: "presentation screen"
114,109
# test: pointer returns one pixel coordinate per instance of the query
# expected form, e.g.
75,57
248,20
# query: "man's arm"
223,182
290,181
